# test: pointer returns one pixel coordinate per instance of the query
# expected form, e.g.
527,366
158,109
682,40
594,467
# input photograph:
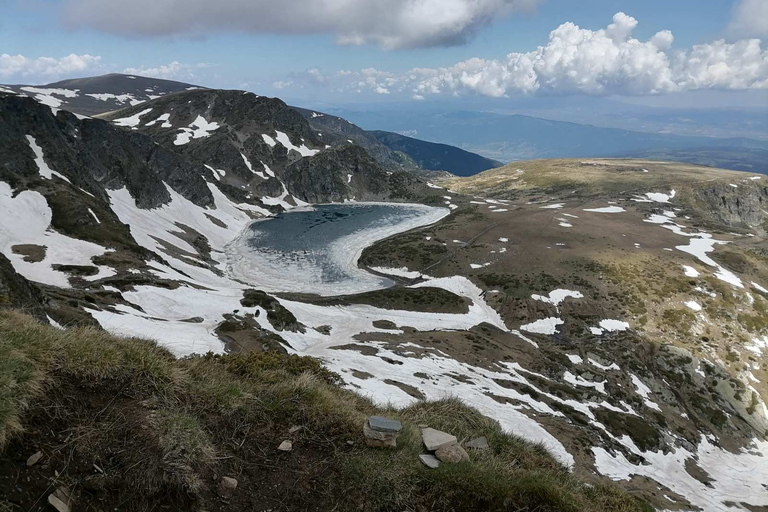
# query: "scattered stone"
479,443
377,439
285,446
451,453
34,459
382,424
61,500
429,460
351,443
228,483
434,439
294,429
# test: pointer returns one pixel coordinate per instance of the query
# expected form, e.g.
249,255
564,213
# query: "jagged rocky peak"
259,146
222,112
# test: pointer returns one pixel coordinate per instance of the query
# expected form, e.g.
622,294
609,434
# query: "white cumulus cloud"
172,71
576,60
388,23
19,67
750,19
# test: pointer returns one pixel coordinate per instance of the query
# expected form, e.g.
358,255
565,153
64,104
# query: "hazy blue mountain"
518,137
438,157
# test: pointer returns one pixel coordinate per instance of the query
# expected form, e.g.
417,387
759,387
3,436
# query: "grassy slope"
591,176
83,397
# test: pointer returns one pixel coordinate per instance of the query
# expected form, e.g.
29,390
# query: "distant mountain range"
101,94
518,137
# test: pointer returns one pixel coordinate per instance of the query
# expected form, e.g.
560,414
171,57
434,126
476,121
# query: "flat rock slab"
430,460
434,439
382,424
479,443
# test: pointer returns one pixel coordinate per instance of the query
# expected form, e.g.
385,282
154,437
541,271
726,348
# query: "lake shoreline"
267,270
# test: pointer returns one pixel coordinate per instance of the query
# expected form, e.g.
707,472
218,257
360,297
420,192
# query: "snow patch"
42,167
606,209
543,326
283,139
132,121
199,128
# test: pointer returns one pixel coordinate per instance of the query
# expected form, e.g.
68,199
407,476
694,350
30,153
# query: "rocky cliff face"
93,155
740,206
348,172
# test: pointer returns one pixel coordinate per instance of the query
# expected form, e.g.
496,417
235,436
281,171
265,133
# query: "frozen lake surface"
316,250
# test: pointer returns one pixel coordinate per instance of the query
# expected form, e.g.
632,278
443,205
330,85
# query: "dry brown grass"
592,176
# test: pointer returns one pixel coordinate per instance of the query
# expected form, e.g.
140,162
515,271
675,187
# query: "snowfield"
26,219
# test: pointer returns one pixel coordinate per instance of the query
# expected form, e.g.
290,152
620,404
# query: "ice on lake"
316,250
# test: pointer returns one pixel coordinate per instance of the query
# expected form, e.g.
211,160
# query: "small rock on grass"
34,459
451,453
294,429
429,460
61,500
434,439
479,443
285,446
228,483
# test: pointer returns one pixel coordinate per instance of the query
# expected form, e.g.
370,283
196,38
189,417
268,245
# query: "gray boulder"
451,453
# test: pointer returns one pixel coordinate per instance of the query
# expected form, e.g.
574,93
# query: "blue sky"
229,54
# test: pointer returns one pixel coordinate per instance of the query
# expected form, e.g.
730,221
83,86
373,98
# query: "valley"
612,311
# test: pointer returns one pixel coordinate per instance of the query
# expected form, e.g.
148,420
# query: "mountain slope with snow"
96,95
613,311
265,148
